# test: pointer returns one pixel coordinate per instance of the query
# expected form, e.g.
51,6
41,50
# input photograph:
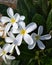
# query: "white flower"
24,30
37,38
13,20
15,42
4,51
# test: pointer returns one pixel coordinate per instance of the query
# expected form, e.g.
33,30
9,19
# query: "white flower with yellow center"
3,53
23,32
13,20
16,41
37,39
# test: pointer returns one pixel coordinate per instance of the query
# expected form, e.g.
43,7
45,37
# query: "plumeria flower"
37,39
4,51
23,32
16,41
13,20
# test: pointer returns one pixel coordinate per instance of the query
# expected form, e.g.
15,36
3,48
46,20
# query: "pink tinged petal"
22,17
19,39
40,30
8,39
22,24
10,57
15,26
32,46
4,58
31,27
17,17
5,19
45,37
7,27
28,39
10,12
17,50
40,45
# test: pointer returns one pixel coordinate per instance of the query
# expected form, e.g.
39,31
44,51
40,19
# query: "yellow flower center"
37,37
23,32
4,52
12,20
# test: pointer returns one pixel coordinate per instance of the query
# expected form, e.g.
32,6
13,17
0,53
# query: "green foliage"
49,21
38,11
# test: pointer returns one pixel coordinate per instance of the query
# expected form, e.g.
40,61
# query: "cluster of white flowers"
14,24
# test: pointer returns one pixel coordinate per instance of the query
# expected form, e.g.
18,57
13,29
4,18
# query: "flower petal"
5,19
32,46
10,34
1,51
17,50
15,26
7,47
7,27
40,45
45,37
8,39
10,12
3,57
14,31
22,24
1,33
10,57
28,39
40,30
22,17
17,17
19,39
33,36
31,27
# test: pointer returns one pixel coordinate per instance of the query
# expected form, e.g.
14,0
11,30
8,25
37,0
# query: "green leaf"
49,21
38,19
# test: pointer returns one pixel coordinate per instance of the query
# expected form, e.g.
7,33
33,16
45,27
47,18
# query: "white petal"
14,31
10,34
31,27
8,39
45,37
11,48
1,51
7,27
33,36
28,39
22,17
7,47
19,39
5,19
3,57
17,50
32,46
10,57
17,17
22,24
1,33
40,45
15,26
10,12
40,30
